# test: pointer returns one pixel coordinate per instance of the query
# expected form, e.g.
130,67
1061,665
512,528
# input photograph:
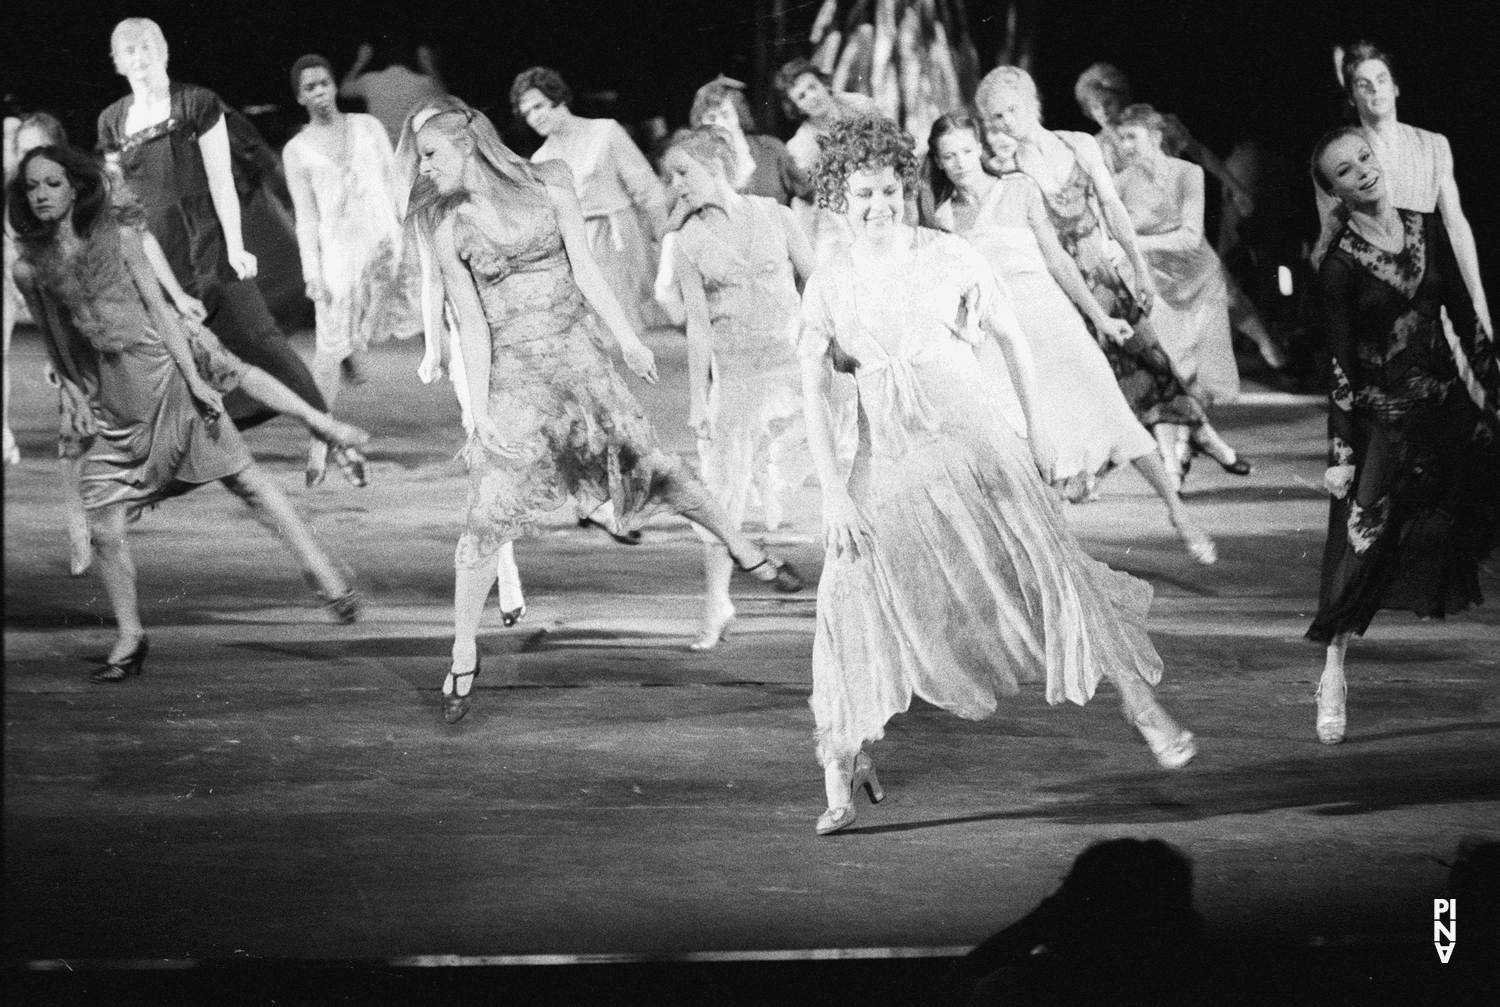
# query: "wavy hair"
91,195
543,79
940,186
720,91
862,143
788,75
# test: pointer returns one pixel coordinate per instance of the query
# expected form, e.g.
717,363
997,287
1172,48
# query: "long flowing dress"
1424,507
1141,366
1090,424
1191,316
615,185
554,392
755,395
350,237
151,442
163,167
973,582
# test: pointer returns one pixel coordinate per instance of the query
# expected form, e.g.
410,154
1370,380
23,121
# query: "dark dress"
776,175
163,166
1424,507
1142,369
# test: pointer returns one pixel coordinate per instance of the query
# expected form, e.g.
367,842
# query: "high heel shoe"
631,537
511,617
843,816
714,632
1172,744
352,462
1241,466
129,666
1331,715
777,572
454,705
317,464
1197,543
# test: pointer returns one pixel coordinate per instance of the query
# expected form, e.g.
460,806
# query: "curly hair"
863,143
91,191
543,79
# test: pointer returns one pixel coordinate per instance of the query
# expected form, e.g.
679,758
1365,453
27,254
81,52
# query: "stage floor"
279,786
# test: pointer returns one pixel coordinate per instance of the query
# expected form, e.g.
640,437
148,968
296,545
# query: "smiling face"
812,97
440,160
1352,171
1137,143
876,201
539,111
49,193
1006,111
1374,90
690,179
316,91
959,155
137,57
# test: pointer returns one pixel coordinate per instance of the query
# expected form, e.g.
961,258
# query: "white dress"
350,238
973,582
1092,427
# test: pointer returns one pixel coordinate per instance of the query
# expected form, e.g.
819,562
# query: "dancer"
949,572
390,88
171,143
341,172
1083,410
1412,461
764,165
149,425
616,188
1417,165
737,263
552,418
1103,93
1164,197
1087,213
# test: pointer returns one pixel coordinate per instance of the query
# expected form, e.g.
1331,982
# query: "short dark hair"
788,75
90,194
1361,52
861,143
307,63
543,79
715,93
1327,140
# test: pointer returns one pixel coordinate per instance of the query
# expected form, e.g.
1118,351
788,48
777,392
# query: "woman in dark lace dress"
1413,458
553,420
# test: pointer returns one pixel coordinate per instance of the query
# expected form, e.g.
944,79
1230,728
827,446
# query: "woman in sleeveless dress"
553,421
1086,415
736,264
1094,228
148,421
1413,460
340,170
170,142
950,572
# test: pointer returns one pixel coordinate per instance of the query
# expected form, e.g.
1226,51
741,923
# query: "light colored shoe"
840,817
714,631
1331,717
1198,544
1171,743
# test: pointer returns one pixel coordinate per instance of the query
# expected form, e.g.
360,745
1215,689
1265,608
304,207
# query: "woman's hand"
844,531
1337,480
1145,291
639,358
245,264
1043,454
490,437
190,307
81,420
700,419
316,291
431,368
1116,330
210,402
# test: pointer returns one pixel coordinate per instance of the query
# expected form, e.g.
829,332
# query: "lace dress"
973,582
1423,509
1141,367
1090,423
554,392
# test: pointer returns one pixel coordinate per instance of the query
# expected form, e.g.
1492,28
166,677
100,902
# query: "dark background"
1229,69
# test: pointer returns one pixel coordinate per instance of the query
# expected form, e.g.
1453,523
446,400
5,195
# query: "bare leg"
1207,439
692,500
512,600
1244,316
1332,692
117,571
80,550
273,510
325,373
718,609
1197,541
1166,449
1172,744
473,577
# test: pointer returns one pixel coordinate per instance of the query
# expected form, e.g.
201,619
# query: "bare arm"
639,180
1464,249
1061,265
1115,216
797,246
473,331
700,340
166,325
216,163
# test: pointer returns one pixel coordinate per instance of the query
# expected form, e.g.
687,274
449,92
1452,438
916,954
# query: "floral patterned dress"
554,392
1424,506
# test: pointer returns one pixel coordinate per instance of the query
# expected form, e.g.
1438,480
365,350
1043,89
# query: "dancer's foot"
1332,693
345,608
1172,744
1229,459
841,787
509,617
770,570
352,462
317,463
1197,542
80,548
715,628
126,660
457,688
603,518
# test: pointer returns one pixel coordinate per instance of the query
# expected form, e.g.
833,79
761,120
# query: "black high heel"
632,537
456,706
776,572
353,464
129,666
1241,466
510,618
345,608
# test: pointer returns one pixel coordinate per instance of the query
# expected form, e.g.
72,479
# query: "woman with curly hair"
950,572
149,408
